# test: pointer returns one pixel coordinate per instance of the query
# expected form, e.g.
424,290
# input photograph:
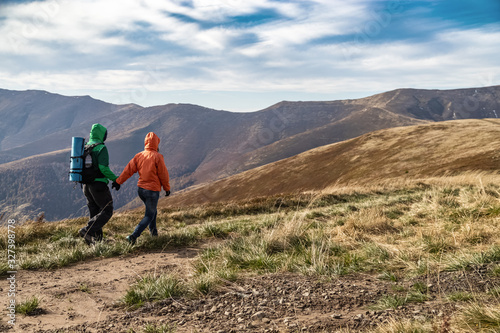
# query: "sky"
245,55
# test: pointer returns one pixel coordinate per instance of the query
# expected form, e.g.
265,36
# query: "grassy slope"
398,153
408,231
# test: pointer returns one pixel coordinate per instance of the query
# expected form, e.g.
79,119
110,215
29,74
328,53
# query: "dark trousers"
100,204
150,199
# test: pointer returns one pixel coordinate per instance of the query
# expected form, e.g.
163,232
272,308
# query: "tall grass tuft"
479,317
28,306
152,288
464,260
395,301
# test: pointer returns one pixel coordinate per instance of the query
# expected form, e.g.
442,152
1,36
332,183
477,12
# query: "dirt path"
83,294
80,298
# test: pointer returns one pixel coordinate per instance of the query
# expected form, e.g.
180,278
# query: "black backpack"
90,170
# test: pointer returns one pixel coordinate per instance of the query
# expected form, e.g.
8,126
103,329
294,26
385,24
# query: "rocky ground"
267,303
293,303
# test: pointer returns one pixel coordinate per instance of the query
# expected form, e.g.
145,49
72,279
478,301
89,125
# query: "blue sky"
245,55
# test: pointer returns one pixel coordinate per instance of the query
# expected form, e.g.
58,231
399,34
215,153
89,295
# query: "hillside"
417,256
412,152
199,144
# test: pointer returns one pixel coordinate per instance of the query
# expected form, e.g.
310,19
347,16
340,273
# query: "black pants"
100,203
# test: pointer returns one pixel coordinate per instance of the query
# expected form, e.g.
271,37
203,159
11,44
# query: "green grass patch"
163,328
214,230
153,288
28,306
437,244
388,276
420,287
395,301
204,284
389,302
394,214
460,296
315,215
465,261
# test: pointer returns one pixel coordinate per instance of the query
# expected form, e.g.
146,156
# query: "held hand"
115,185
167,193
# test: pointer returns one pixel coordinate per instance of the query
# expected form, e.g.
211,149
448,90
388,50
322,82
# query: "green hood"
97,134
100,154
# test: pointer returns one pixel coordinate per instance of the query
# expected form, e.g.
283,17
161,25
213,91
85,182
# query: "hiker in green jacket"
99,199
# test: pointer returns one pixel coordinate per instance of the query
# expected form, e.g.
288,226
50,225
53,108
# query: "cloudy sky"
244,55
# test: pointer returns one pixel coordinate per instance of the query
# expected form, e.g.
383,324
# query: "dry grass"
387,158
479,317
396,232
414,229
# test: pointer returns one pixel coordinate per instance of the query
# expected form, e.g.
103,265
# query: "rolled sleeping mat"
76,164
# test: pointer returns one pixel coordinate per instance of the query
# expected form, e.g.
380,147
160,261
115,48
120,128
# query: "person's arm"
103,163
163,173
129,170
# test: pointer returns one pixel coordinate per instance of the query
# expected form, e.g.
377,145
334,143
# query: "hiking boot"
154,233
98,236
86,236
131,239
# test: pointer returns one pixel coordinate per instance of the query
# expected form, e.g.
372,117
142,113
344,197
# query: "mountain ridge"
201,145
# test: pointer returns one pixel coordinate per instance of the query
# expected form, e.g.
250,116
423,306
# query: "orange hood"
151,142
153,173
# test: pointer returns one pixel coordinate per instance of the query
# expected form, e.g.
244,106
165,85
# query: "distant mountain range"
200,145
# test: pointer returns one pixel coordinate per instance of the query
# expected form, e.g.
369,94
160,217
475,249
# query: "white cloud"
111,46
80,22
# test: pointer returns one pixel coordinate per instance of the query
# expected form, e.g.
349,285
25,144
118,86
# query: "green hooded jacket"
100,153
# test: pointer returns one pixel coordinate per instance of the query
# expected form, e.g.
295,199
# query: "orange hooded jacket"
153,173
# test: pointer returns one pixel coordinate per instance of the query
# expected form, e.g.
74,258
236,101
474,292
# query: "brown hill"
199,144
341,120
405,152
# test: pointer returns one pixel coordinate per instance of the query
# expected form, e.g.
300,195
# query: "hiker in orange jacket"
153,175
